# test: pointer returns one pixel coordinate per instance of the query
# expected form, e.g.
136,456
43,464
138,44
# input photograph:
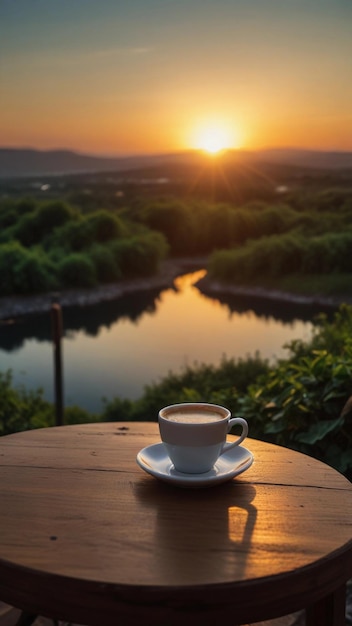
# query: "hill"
29,162
331,160
17,163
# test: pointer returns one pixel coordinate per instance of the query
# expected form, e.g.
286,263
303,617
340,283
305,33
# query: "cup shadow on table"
193,524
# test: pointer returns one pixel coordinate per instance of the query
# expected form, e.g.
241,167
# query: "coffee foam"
194,417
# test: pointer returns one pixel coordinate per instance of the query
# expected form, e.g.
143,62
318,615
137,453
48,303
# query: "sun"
214,138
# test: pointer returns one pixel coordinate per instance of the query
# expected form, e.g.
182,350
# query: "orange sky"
145,76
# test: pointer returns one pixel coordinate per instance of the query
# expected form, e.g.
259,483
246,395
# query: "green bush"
105,226
306,404
280,255
11,212
199,228
8,215
73,254
105,264
212,228
34,226
75,236
82,233
21,409
35,273
25,271
139,255
77,415
77,270
332,199
25,410
174,220
52,214
26,205
329,335
11,255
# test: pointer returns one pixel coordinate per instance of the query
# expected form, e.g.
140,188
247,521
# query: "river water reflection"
116,348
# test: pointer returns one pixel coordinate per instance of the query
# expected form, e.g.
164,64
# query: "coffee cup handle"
235,420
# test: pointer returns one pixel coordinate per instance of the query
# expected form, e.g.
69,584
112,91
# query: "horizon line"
132,155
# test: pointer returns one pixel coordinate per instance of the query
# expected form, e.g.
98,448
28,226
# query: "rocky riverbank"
14,307
216,288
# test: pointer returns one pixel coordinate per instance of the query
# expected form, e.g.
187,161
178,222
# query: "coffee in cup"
194,434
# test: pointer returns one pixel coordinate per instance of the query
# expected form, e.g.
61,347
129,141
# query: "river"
116,348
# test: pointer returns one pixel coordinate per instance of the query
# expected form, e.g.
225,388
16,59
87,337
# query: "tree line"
52,245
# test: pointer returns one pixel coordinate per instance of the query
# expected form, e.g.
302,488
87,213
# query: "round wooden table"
87,536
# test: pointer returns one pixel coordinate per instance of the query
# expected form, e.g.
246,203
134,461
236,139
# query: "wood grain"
86,535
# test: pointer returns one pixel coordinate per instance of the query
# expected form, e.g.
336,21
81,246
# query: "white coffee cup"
194,434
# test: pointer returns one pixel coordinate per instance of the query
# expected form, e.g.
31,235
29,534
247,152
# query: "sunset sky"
146,76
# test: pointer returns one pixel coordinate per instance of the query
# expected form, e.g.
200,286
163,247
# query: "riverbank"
14,307
215,288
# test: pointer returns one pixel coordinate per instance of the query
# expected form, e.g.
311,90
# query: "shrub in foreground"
21,409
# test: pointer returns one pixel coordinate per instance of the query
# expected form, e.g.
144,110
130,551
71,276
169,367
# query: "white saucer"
155,461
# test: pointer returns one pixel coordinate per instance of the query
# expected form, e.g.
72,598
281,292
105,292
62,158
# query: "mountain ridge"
28,162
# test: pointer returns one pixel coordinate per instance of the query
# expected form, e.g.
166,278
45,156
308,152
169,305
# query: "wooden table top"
85,533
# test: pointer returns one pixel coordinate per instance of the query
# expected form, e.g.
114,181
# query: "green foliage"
25,205
11,211
74,236
11,255
308,235
80,234
77,270
305,404
25,271
77,415
174,220
120,410
331,336
106,267
49,246
25,410
199,228
8,215
105,226
21,409
280,255
139,255
35,225
332,199
35,273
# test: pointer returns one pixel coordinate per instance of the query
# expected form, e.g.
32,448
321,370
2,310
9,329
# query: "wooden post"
56,322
